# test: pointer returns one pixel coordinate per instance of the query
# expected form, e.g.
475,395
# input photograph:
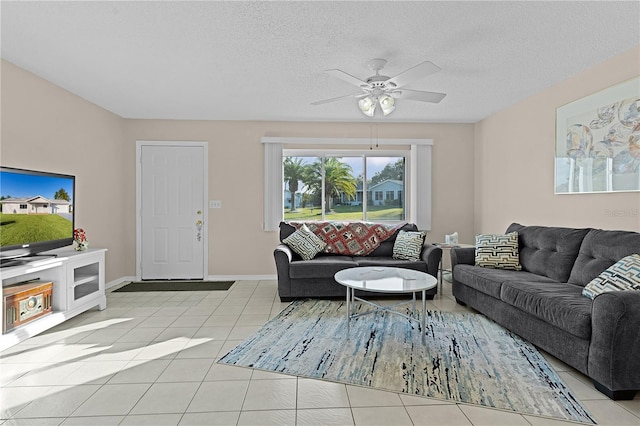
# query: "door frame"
205,195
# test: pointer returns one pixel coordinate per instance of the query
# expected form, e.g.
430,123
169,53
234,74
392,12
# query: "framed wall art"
598,142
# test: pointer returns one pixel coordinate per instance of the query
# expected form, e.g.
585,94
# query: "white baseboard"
241,277
121,280
118,281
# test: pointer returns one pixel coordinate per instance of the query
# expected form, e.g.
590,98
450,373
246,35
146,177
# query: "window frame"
418,185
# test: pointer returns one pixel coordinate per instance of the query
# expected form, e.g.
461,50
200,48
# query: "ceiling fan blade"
347,77
419,95
326,101
419,71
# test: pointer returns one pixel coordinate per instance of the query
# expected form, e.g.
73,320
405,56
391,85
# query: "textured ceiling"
265,60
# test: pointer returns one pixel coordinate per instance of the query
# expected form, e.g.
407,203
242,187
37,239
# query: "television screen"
36,211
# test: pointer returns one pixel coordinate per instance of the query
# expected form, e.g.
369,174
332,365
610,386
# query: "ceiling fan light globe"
388,104
387,101
367,106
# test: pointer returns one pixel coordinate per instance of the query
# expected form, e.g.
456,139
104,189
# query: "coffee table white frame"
386,280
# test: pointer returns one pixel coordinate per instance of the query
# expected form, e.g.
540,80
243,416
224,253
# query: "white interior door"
171,211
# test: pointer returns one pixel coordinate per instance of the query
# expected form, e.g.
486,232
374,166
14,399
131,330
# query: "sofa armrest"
463,256
284,250
614,352
283,257
432,255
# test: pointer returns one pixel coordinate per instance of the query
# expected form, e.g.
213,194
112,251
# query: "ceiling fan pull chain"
371,137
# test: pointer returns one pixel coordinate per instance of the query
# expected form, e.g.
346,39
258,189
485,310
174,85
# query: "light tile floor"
149,359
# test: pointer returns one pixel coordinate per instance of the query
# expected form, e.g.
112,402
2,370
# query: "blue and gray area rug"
467,358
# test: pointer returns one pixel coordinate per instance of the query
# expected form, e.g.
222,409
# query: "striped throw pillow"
498,251
305,243
622,275
408,245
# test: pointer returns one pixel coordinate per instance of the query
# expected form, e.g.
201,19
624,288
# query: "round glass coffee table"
384,279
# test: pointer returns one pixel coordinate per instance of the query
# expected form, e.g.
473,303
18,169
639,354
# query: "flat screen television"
36,213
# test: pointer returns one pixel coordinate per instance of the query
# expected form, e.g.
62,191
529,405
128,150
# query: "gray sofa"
298,278
543,303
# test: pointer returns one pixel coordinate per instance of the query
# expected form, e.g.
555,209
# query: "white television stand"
78,285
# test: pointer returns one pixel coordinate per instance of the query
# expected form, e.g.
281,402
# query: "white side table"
445,246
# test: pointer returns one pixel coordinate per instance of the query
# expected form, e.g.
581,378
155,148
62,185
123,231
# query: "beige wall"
237,244
514,161
47,128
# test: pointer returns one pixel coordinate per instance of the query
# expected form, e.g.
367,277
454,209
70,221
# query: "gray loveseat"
298,278
543,303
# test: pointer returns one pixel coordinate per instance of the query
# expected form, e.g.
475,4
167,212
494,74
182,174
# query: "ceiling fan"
383,90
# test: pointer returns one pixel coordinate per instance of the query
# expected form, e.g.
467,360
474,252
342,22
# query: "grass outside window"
346,213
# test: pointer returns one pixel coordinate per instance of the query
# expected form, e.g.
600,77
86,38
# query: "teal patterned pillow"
498,251
305,243
622,275
408,245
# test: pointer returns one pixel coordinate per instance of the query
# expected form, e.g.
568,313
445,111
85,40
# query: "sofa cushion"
498,251
548,251
559,304
489,281
408,245
601,249
305,243
320,266
417,265
622,275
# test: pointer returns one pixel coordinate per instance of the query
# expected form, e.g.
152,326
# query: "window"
23,206
332,185
412,190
